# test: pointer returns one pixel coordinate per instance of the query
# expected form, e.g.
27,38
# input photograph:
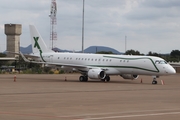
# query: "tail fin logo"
36,43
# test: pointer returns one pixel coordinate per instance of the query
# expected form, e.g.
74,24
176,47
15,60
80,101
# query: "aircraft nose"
172,70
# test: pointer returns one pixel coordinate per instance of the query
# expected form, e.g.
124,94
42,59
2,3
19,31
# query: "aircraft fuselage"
112,64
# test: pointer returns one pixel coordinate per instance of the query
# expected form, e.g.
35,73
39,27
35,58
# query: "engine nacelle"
96,74
129,76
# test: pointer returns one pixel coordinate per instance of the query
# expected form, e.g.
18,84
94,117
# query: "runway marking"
84,115
130,116
126,112
74,91
24,114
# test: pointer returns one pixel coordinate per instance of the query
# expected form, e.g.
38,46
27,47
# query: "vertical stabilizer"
38,44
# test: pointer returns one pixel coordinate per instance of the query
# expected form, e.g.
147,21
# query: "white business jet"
99,66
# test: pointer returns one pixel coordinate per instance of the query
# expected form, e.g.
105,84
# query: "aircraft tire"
83,78
154,82
107,78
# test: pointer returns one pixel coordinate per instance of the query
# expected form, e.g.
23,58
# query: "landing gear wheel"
86,78
83,78
107,78
154,82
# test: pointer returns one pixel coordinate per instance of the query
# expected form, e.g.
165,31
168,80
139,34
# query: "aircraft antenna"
53,23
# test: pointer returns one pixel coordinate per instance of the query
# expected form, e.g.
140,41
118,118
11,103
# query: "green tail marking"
38,47
36,42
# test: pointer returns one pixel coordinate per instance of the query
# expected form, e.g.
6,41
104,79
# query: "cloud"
147,23
161,3
2,27
154,9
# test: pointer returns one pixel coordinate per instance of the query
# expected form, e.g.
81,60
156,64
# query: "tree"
175,53
153,54
3,62
132,52
2,55
174,56
104,52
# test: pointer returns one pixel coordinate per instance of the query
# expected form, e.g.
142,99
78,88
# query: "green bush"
61,71
51,72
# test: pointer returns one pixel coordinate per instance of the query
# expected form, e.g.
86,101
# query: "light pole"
125,43
83,28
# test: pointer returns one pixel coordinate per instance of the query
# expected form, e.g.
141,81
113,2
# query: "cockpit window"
163,62
160,62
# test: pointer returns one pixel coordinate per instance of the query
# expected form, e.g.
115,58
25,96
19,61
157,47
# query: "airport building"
13,32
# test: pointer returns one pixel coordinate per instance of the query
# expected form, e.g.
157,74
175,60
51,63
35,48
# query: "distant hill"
91,49
94,49
26,50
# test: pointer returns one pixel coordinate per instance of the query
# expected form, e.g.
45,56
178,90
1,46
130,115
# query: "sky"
150,25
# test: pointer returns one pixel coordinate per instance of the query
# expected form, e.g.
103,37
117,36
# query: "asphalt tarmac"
50,97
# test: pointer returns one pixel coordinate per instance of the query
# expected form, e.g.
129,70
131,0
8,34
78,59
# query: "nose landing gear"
154,82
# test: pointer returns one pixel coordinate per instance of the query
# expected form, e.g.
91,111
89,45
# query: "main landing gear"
106,79
83,78
154,82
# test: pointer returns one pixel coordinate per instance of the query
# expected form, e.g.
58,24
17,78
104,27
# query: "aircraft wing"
5,58
26,55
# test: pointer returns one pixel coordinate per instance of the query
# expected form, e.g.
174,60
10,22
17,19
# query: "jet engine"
129,76
96,74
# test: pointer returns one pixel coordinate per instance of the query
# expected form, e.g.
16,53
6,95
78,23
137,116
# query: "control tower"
13,32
